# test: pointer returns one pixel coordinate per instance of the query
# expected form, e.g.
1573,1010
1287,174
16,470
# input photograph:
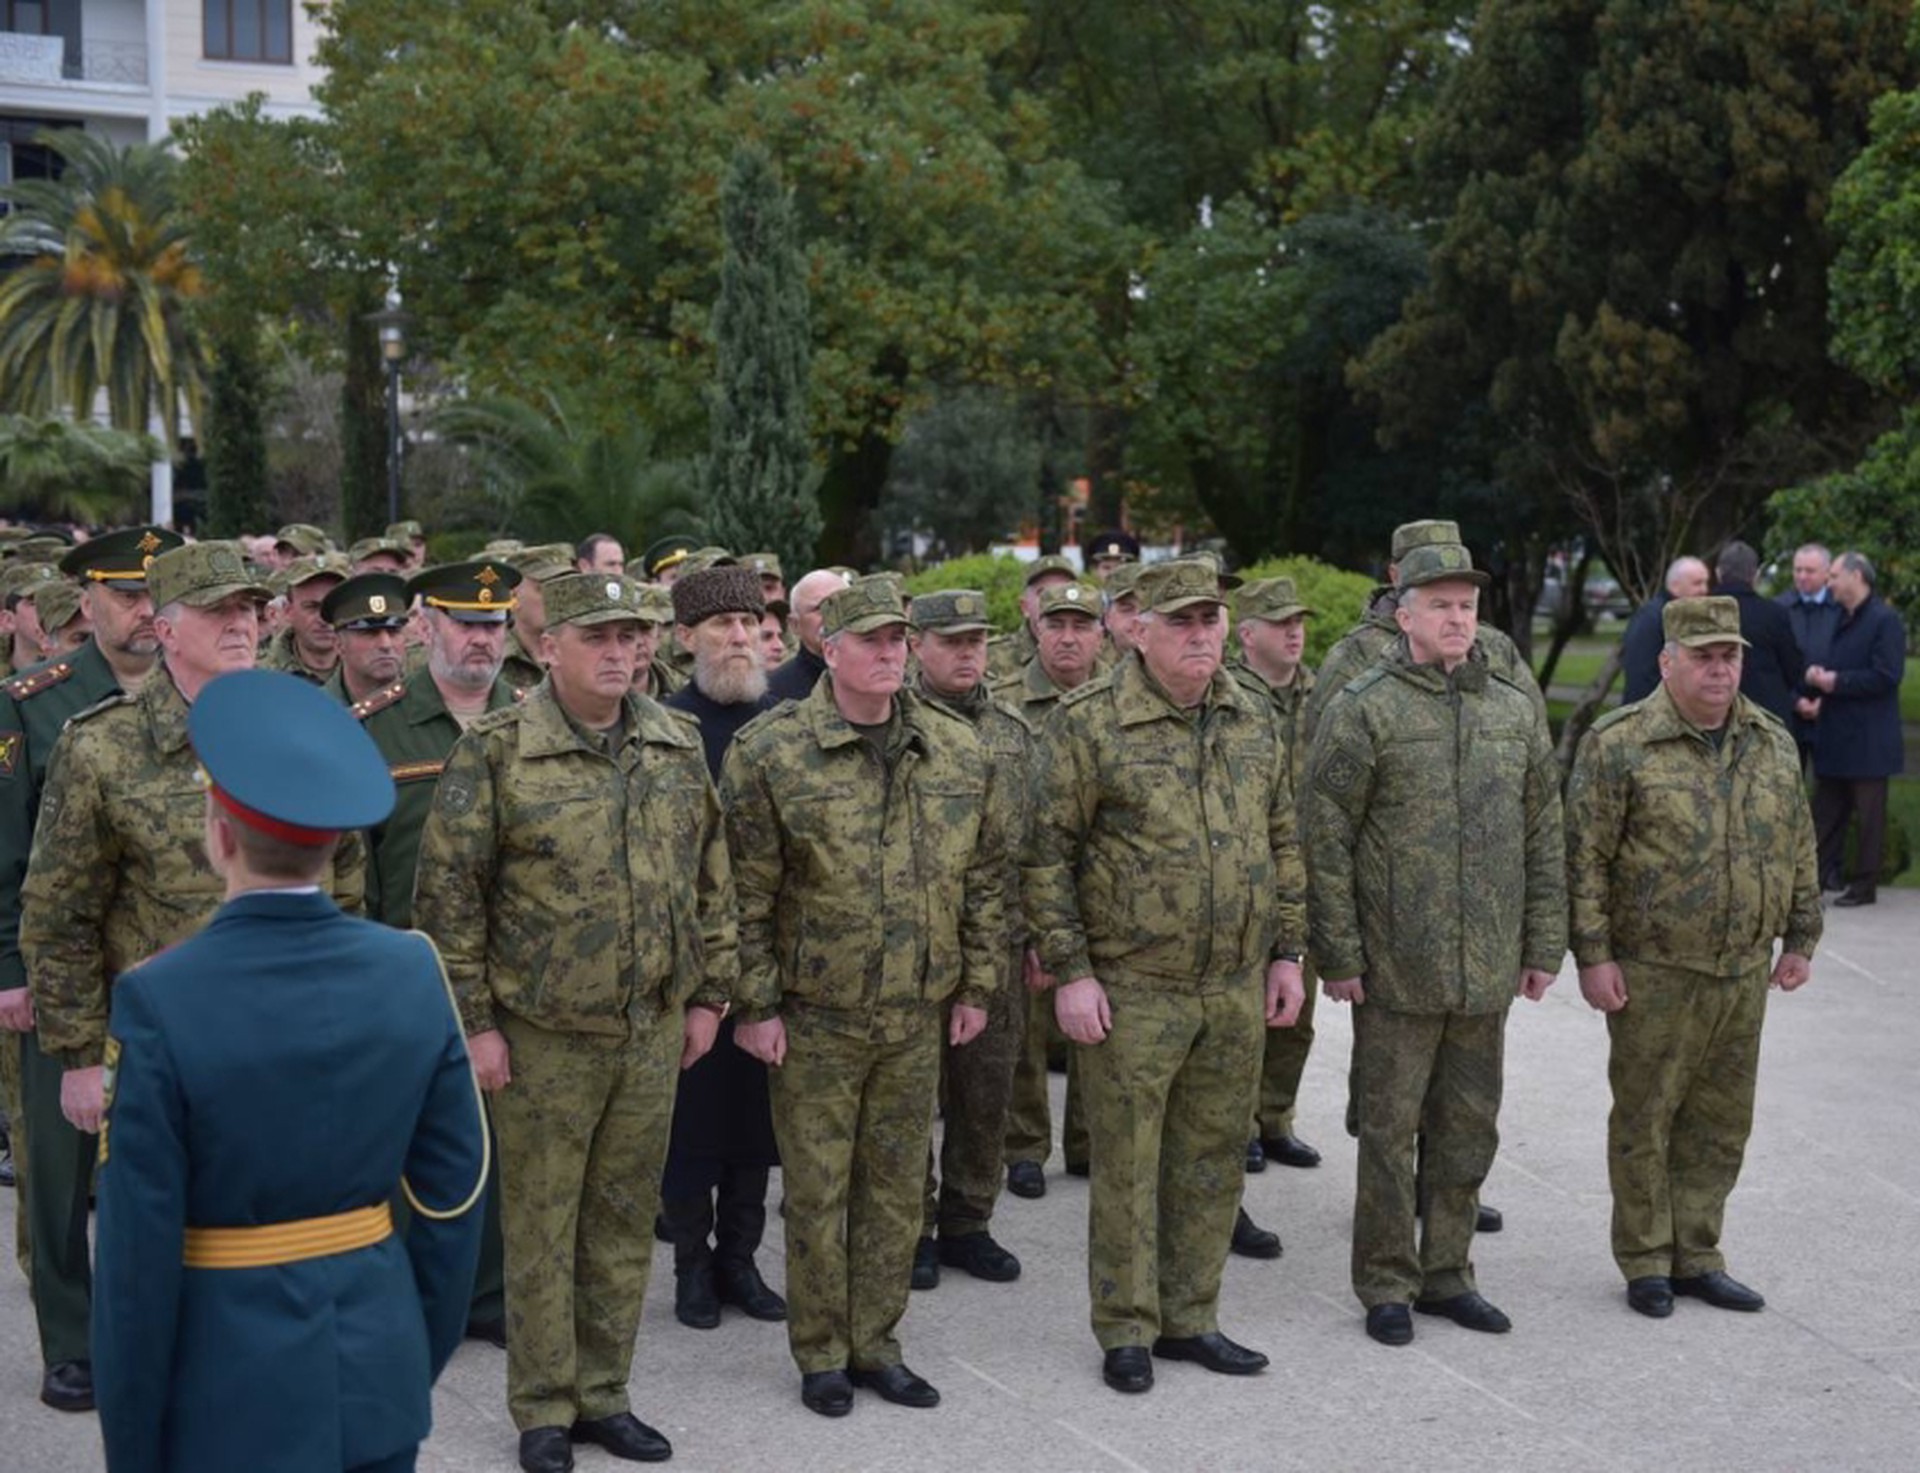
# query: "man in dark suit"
1770,675
1813,613
272,1082
1857,739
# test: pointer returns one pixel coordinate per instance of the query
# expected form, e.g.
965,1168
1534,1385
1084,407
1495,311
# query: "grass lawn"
1910,691
1903,808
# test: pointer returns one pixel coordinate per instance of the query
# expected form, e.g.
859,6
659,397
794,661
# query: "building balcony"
50,60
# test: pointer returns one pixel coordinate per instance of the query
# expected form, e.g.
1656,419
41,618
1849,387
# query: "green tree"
238,392
100,302
760,477
1874,509
1628,299
965,473
59,469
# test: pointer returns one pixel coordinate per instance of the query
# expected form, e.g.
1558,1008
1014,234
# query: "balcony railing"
49,59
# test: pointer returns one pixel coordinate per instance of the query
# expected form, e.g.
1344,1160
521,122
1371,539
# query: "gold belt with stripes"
272,1244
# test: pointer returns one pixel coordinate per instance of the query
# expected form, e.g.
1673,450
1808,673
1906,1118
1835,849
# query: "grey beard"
727,683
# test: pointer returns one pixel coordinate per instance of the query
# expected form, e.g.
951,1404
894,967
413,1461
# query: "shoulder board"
378,701
105,703
32,682
773,715
1372,675
1614,717
494,720
1086,692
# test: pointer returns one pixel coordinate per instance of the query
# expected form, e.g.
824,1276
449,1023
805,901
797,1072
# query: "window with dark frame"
248,30
27,17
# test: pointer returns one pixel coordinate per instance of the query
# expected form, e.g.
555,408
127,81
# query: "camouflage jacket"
1009,654
1289,709
1376,633
1009,743
1161,852
582,892
119,868
281,653
520,669
868,890
1435,857
1685,856
410,724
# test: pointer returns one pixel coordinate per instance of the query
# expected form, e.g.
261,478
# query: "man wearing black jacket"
1813,613
1770,675
794,681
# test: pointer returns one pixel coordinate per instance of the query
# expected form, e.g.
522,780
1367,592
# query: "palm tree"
562,479
57,470
101,301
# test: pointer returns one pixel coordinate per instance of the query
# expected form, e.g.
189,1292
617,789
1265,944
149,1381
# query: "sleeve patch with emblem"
456,796
9,752
1339,772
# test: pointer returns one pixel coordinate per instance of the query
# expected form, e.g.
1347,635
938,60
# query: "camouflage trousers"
852,1118
583,1138
1413,1073
1686,1051
1284,1061
1168,1093
976,1081
1029,1113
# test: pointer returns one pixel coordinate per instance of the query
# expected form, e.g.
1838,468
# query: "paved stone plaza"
1825,1222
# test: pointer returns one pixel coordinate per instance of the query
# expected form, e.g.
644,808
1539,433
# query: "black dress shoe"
1488,1220
696,1298
896,1384
546,1450
1290,1150
829,1393
1469,1311
494,1332
926,1265
1256,1157
68,1386
1855,895
625,1436
1128,1368
740,1284
1720,1291
1390,1324
1079,1168
1251,1240
1651,1296
1212,1350
1026,1179
979,1255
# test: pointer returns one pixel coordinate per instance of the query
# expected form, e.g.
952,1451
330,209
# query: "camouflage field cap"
655,604
304,538
766,564
201,574
57,603
863,605
23,580
591,598
1440,562
707,557
1409,535
1182,583
405,532
1273,599
1124,581
547,560
479,592
1051,563
1069,598
951,611
368,547
502,547
1697,622
1228,581
119,559
368,601
306,569
42,547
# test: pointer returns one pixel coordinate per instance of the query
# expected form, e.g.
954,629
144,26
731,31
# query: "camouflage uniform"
976,1082
1162,861
1029,1111
281,653
521,670
1685,861
581,896
1436,865
871,893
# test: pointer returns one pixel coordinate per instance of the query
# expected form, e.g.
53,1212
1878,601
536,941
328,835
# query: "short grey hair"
1819,548
1680,565
1857,562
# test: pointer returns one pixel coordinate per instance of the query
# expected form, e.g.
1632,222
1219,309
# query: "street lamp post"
392,325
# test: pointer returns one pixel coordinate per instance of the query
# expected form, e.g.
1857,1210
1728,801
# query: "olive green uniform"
283,653
118,872
1029,692
1686,860
1285,1058
1162,861
1437,868
976,1080
872,892
579,890
34,707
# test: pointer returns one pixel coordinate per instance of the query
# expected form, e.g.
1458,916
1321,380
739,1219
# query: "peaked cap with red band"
285,759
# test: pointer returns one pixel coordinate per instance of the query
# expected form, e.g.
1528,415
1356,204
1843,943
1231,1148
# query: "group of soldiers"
702,909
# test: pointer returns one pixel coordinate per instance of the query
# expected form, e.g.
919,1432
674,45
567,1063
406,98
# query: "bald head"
806,598
1687,577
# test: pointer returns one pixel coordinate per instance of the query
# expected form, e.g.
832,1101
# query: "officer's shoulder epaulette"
1616,717
112,702
1366,679
1086,691
493,720
31,682
379,700
772,716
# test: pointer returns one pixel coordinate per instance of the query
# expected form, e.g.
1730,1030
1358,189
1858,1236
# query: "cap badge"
486,577
613,590
149,544
377,603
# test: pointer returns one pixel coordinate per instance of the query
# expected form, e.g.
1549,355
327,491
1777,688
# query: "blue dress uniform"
271,1083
